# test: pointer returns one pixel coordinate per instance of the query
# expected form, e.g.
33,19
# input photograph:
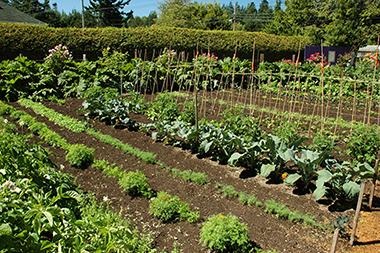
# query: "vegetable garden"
183,153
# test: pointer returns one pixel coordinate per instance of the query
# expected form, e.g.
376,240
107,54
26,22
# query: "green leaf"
351,188
292,179
320,192
323,177
5,229
49,217
234,158
266,169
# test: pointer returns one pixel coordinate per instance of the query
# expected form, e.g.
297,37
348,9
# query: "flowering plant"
59,52
317,59
55,61
373,58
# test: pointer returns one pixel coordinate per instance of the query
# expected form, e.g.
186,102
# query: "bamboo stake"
354,108
357,214
339,107
374,79
322,83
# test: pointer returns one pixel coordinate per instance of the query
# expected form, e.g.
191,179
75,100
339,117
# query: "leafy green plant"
283,212
108,108
229,191
323,141
364,144
80,156
225,233
136,184
276,155
170,208
188,113
44,211
190,176
341,180
288,133
308,164
249,199
164,107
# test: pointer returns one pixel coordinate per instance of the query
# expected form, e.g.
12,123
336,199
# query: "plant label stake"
335,241
357,213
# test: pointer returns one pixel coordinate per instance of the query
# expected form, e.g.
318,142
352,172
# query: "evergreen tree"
110,12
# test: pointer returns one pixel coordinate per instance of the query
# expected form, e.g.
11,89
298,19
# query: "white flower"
5,121
11,186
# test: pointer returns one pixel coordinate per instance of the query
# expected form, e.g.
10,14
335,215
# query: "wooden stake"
373,186
357,213
335,241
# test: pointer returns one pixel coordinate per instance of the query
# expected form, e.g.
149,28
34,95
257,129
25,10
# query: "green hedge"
35,41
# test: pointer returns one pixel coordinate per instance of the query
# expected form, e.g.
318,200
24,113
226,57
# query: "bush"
136,184
35,41
80,156
364,144
223,233
170,208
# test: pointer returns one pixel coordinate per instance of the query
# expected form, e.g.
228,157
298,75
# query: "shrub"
80,156
37,40
225,233
136,184
170,208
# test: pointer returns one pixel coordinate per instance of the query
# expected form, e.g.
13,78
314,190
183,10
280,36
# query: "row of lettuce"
238,140
71,211
60,76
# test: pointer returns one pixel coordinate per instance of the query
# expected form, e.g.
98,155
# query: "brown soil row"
266,230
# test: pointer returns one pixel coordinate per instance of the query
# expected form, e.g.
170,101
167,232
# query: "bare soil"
266,230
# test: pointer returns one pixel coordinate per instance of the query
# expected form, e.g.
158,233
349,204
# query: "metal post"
82,13
234,18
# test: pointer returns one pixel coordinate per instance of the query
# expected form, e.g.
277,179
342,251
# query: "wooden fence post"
373,185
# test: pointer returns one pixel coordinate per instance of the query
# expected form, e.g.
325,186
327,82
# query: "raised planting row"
187,175
214,103
170,208
50,116
44,211
81,156
237,140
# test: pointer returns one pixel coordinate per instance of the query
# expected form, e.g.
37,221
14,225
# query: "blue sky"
139,7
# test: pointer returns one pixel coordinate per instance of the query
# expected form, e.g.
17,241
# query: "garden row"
347,140
238,140
59,75
164,201
44,211
270,206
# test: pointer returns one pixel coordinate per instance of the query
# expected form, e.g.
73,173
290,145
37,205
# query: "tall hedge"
35,41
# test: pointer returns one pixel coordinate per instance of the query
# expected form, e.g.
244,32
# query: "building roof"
9,14
369,48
